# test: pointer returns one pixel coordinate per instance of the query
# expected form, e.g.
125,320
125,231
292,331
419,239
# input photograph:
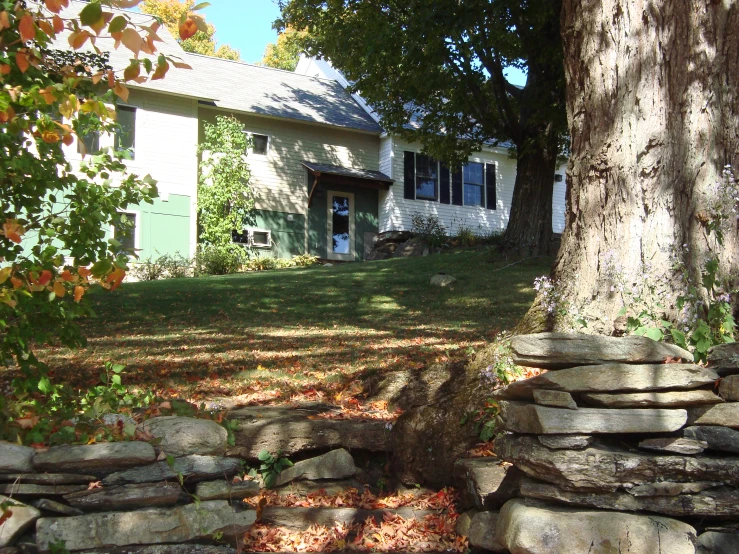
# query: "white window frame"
250,149
415,178
136,228
484,184
350,257
253,230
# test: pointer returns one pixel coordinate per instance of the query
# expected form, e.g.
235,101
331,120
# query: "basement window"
255,238
259,144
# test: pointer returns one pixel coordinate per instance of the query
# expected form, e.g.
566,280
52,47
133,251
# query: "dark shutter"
444,193
492,201
409,175
457,198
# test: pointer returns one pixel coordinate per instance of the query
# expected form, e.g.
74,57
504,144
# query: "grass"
276,334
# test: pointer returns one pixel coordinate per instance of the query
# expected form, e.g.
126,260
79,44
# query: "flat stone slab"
729,388
566,442
560,350
329,487
192,468
94,458
713,503
23,489
613,378
724,415
15,458
717,543
145,527
667,488
55,507
181,436
677,445
718,438
22,518
724,358
531,418
524,528
301,519
675,399
126,497
226,490
555,398
599,468
486,481
337,464
290,431
481,533
48,478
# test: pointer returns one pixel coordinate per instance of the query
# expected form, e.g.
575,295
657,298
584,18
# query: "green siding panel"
288,237
163,227
366,211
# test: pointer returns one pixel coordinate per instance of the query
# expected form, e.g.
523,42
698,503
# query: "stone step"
300,519
295,430
486,482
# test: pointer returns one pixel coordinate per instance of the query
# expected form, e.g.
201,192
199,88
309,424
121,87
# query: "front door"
340,226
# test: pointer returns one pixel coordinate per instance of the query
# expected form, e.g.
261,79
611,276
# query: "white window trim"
415,178
135,127
250,149
252,230
350,257
484,183
136,228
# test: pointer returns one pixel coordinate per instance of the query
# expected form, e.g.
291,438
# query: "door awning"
337,175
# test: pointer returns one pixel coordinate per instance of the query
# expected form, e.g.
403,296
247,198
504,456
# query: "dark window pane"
426,188
340,218
472,195
240,238
260,144
473,173
91,142
125,231
125,137
426,166
260,238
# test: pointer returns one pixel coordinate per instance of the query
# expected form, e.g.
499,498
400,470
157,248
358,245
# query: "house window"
427,177
89,143
256,238
124,231
125,136
259,144
474,184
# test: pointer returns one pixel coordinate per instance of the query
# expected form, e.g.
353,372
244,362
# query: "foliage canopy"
285,52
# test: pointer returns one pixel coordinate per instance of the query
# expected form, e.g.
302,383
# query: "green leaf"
264,455
269,480
200,6
91,14
44,385
117,24
654,333
117,368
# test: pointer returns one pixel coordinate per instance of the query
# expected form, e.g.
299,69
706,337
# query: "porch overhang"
337,175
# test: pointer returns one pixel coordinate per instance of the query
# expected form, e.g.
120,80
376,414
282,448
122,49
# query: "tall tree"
653,109
285,52
203,42
435,71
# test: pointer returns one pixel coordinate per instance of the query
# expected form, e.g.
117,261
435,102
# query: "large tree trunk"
653,110
530,223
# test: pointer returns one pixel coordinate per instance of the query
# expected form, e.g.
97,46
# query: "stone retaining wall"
619,424
124,494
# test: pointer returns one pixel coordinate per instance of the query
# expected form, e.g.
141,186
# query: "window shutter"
444,197
409,175
457,198
492,200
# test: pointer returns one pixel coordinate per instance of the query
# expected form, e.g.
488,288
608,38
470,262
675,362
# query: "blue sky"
247,26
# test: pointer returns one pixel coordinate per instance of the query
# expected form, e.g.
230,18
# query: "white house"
327,177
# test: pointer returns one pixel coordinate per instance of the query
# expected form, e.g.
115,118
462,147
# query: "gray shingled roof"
243,87
348,172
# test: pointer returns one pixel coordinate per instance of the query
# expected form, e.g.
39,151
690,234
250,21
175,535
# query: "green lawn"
300,331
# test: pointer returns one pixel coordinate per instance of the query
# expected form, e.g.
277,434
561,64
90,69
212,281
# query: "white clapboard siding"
558,201
279,178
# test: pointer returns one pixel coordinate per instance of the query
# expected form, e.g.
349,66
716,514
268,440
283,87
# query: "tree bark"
530,222
653,111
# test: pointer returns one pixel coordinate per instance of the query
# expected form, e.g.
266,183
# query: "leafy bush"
219,260
465,236
164,267
429,228
271,467
305,260
149,269
262,263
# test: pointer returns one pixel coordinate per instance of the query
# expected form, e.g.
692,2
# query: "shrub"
465,236
219,260
149,269
429,228
305,260
163,267
262,263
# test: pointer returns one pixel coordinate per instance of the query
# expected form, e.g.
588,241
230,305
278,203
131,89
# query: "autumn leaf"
13,230
27,28
58,23
79,292
50,137
188,28
45,277
4,20
121,91
59,289
131,40
21,60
